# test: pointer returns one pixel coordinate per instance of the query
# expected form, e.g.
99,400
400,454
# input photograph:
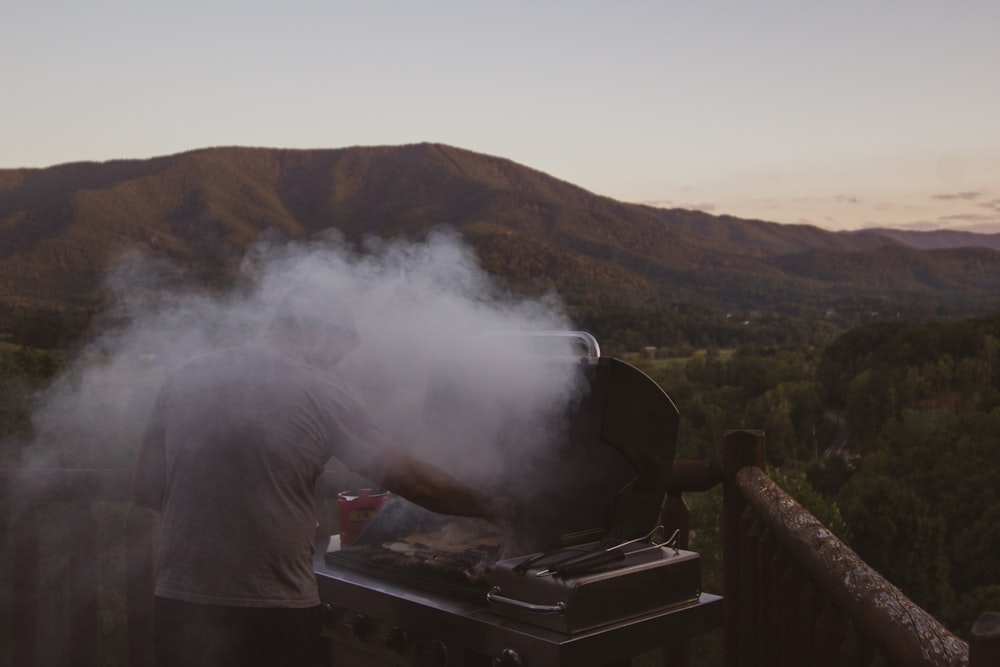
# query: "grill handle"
590,354
588,340
494,596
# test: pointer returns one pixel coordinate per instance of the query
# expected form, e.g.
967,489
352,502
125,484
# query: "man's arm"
434,489
149,475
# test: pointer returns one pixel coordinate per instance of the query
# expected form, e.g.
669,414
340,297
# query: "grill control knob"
359,627
397,640
327,615
434,654
508,658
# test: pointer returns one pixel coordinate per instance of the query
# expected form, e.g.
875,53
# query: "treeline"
681,328
23,372
44,328
887,434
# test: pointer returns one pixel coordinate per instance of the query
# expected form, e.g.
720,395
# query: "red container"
355,509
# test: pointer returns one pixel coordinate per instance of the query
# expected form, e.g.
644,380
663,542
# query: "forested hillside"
888,435
63,228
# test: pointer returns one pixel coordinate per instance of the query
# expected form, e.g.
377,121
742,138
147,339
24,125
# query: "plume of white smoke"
431,366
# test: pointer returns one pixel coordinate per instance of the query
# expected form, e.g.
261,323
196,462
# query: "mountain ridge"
61,226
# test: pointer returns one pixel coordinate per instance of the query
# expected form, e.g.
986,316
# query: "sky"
844,115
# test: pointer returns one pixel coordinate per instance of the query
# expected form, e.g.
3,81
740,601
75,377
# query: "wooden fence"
794,594
26,492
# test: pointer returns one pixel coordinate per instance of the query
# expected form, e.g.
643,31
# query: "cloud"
966,196
984,218
971,218
848,199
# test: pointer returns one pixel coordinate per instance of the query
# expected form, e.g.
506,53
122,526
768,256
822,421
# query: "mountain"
940,239
61,226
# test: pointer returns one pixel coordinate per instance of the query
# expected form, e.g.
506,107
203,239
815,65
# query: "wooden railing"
31,498
794,594
26,494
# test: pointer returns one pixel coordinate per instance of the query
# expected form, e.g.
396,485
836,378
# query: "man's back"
245,432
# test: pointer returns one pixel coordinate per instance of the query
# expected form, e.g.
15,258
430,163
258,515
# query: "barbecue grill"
589,579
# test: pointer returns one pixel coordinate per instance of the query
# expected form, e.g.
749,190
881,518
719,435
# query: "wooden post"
739,449
750,533
140,535
984,641
25,556
685,476
675,515
829,634
85,587
766,644
808,605
790,584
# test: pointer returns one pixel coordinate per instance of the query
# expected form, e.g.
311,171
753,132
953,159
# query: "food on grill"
455,550
447,540
470,563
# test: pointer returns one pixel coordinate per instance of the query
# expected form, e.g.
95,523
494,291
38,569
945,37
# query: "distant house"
949,401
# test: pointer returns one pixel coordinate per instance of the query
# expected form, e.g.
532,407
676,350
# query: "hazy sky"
841,114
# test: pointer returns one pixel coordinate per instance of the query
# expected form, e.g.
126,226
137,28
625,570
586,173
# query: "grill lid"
604,465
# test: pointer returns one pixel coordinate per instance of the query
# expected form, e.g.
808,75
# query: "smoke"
443,364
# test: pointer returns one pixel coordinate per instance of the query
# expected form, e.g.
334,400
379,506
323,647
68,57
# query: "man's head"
315,326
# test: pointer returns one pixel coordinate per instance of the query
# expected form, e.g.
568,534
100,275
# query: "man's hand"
434,489
501,511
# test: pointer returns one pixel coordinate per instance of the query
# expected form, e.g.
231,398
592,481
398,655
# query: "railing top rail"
35,485
39,485
903,631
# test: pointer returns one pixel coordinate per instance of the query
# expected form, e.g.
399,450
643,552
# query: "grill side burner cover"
577,603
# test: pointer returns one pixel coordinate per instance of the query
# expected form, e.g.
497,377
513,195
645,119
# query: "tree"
895,531
22,373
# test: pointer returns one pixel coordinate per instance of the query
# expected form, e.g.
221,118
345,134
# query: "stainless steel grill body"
374,622
612,467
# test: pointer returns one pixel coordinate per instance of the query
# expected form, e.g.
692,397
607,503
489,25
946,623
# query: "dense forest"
887,434
885,431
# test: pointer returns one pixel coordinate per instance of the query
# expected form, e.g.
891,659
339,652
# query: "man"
230,457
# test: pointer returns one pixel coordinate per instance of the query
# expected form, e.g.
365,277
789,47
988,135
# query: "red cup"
355,509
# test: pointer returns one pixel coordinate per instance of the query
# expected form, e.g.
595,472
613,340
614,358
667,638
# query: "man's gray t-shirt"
245,433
